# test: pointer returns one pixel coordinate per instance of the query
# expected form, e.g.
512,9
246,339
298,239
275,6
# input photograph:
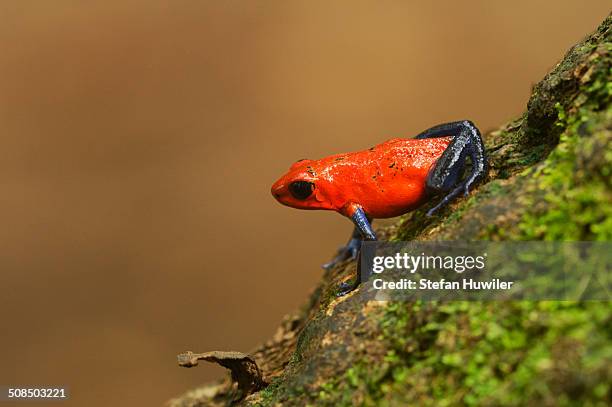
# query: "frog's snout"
278,190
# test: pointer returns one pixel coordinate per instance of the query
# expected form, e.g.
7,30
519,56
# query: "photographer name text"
442,284
413,263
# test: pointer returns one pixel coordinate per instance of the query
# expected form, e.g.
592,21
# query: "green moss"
304,340
571,189
268,395
411,225
460,353
531,157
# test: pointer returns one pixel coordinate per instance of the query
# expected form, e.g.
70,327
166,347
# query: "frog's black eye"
301,189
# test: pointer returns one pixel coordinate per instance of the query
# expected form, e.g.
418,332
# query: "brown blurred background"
139,140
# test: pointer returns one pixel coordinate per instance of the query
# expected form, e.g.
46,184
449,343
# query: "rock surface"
549,180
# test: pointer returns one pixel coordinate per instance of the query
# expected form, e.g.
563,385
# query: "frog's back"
398,154
387,179
410,154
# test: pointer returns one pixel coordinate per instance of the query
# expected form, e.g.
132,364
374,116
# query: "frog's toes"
332,263
329,265
345,288
433,210
350,251
344,255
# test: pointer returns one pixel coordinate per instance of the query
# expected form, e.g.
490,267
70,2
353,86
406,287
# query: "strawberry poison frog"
387,180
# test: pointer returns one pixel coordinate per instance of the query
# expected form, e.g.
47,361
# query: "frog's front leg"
363,231
446,175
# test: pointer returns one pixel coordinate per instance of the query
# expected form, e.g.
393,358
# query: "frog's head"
300,188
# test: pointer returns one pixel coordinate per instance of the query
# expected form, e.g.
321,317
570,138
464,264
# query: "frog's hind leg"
363,228
348,251
445,176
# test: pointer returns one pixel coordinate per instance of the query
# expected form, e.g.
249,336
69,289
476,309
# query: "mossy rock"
549,180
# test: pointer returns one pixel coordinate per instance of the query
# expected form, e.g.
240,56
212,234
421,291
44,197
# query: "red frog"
387,180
